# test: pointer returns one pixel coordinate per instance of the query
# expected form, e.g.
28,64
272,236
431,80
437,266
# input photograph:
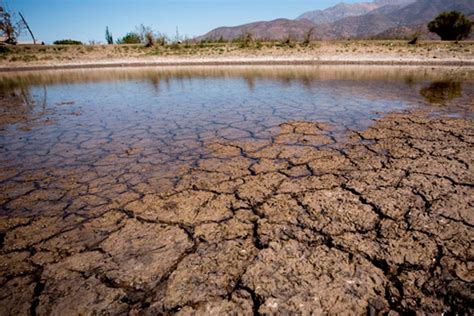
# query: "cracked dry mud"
239,216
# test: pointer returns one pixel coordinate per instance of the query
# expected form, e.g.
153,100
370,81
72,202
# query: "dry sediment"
289,222
244,61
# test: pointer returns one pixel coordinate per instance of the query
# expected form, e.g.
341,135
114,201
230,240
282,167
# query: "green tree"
108,36
451,26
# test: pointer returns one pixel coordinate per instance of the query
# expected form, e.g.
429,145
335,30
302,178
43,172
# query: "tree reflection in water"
440,92
345,90
18,104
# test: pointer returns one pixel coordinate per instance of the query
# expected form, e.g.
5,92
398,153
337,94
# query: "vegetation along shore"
258,52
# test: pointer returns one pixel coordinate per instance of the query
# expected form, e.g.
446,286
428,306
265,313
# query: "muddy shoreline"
380,225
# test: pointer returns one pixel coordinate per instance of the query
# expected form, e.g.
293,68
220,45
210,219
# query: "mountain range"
377,19
344,10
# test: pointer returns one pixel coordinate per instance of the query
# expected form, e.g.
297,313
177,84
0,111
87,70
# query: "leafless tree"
308,36
11,26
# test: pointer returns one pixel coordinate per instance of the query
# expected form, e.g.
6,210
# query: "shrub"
451,26
161,40
175,46
287,41
4,50
245,39
143,35
67,42
414,39
149,39
308,36
108,36
130,38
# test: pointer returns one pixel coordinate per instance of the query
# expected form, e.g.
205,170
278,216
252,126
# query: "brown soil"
289,223
353,52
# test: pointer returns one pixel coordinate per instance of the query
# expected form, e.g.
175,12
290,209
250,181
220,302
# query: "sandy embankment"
344,52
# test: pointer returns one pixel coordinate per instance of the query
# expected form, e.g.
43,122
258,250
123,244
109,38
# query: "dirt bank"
337,52
289,223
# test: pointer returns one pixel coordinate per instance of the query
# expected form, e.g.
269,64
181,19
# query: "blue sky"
86,19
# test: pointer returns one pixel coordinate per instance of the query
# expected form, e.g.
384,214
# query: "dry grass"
56,54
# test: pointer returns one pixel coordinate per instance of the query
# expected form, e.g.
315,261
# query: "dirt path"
293,222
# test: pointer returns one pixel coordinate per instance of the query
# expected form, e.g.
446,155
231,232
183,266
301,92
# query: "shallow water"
169,116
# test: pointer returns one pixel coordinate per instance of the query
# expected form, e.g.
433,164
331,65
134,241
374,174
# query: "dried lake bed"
237,190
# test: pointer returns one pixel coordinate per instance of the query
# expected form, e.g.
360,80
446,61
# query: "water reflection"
347,96
440,92
304,75
19,104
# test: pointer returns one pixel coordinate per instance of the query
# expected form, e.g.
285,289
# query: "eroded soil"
289,219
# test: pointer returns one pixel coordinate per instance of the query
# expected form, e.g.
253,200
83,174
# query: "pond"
52,118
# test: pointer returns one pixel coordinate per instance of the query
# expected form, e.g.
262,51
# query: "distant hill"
378,19
338,12
393,2
426,10
269,30
408,31
343,10
390,17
